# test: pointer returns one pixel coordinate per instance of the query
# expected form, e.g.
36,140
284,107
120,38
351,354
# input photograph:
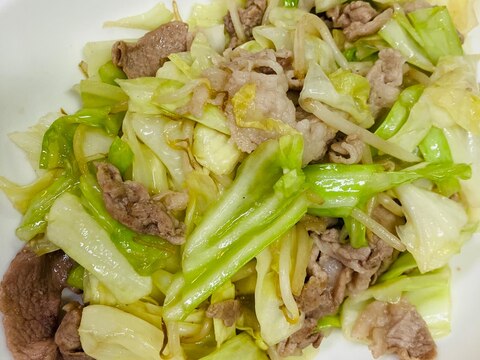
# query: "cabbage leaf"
153,131
214,150
72,229
150,20
274,326
435,229
349,97
465,147
241,344
341,187
109,333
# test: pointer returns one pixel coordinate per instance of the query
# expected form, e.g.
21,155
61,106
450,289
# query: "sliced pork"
271,112
249,17
228,311
336,270
303,338
395,329
67,337
130,203
358,19
316,136
386,78
30,300
150,52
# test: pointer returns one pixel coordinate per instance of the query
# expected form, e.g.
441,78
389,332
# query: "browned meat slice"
130,203
67,337
250,17
347,151
228,311
356,11
358,19
311,297
150,52
367,262
329,243
386,78
395,329
336,270
30,297
306,336
322,295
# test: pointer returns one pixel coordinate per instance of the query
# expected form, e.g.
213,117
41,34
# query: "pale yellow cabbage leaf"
463,12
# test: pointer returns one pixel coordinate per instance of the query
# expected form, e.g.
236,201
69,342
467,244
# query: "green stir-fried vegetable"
286,169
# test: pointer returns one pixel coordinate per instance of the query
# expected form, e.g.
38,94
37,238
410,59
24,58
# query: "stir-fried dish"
248,181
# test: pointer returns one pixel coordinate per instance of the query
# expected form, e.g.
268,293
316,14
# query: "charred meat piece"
150,52
130,203
30,299
395,329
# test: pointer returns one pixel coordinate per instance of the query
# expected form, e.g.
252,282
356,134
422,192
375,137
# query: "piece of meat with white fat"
67,337
228,311
150,52
249,17
130,203
385,78
358,19
30,299
395,329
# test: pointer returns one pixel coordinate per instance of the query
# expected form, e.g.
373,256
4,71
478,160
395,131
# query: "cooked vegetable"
134,338
342,187
265,200
432,242
72,229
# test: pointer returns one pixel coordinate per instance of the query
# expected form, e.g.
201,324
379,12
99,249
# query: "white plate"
41,43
